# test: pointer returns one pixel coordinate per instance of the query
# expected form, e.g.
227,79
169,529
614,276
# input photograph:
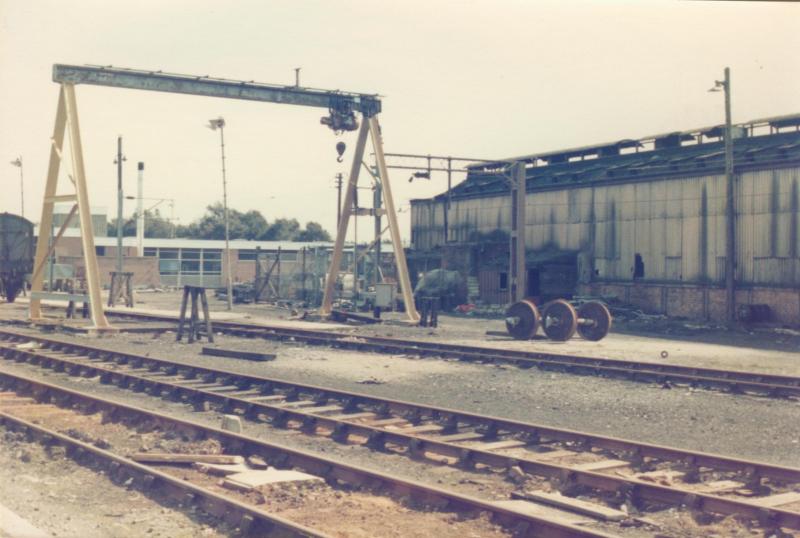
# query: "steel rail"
223,387
280,456
248,519
735,381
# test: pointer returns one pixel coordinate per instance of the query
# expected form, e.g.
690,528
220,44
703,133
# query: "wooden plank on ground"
602,465
323,409
502,445
296,404
587,508
147,457
268,398
777,500
221,469
423,428
388,421
353,416
720,485
553,454
238,354
528,508
465,436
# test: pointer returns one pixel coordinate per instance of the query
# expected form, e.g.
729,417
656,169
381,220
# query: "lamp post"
18,163
730,212
118,161
215,124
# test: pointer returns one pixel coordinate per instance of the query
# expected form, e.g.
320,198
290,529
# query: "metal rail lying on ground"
280,456
432,429
735,381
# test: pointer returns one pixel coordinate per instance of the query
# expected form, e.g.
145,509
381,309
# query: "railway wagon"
16,254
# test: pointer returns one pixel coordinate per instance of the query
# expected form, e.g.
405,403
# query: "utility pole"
119,160
376,204
140,210
517,274
338,199
18,163
730,205
730,257
219,123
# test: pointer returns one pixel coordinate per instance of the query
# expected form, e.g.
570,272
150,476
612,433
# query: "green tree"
282,230
250,225
314,232
154,226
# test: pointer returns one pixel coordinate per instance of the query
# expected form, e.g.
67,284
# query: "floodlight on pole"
214,124
18,163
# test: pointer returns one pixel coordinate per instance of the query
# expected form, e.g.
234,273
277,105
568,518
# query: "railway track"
733,381
41,410
613,472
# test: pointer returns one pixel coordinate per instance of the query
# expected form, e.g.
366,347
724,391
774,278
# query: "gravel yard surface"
774,350
64,499
733,425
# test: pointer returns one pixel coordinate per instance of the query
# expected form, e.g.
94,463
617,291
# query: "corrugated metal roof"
749,153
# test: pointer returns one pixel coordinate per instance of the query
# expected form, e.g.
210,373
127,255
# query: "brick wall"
698,302
145,270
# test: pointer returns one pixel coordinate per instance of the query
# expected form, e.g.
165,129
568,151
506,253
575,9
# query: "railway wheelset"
559,319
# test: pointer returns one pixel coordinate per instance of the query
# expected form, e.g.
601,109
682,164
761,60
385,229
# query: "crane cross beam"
334,100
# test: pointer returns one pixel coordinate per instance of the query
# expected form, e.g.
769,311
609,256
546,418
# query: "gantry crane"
342,109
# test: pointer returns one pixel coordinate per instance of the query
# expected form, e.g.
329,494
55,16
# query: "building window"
100,251
247,255
191,267
168,254
212,267
503,281
168,267
150,251
190,254
209,254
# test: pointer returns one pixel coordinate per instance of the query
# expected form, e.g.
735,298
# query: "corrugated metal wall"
677,226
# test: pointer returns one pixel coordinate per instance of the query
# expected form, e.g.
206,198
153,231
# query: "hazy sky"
476,79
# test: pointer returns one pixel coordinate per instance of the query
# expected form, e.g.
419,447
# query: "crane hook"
340,147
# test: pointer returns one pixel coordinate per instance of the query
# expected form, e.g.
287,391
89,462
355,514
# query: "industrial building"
175,262
639,220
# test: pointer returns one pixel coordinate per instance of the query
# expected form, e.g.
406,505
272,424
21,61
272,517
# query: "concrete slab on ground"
14,526
253,479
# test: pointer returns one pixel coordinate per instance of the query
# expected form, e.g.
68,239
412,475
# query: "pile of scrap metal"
242,293
449,286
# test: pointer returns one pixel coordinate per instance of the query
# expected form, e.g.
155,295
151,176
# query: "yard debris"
232,423
371,381
221,469
343,316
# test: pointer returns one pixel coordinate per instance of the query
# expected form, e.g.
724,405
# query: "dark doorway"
638,266
533,285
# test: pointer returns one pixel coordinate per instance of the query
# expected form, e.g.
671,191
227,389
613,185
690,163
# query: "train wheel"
522,320
559,320
595,320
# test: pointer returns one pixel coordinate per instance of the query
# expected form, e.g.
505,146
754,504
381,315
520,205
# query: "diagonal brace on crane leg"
371,127
67,121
